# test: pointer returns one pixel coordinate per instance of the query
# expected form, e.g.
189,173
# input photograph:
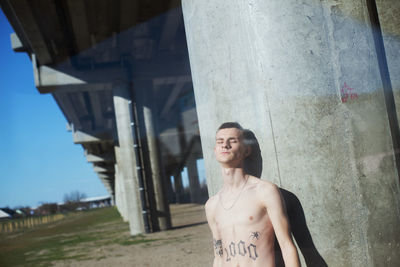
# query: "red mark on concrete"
346,92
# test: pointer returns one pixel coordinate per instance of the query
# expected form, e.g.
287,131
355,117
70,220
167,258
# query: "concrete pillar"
162,207
194,184
178,188
127,157
389,20
120,197
303,76
170,188
112,200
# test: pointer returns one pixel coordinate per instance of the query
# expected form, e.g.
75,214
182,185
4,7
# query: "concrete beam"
96,137
105,177
99,169
172,22
16,44
180,83
77,12
68,109
97,108
158,81
32,31
72,88
92,158
129,10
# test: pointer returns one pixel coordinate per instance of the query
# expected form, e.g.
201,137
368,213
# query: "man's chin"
229,164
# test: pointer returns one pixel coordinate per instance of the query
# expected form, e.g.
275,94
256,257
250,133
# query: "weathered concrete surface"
162,206
126,157
120,197
389,18
194,184
303,76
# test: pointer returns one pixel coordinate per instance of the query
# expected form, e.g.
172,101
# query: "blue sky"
39,162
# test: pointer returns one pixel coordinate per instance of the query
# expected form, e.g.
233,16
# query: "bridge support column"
194,184
162,205
304,77
178,188
120,197
127,158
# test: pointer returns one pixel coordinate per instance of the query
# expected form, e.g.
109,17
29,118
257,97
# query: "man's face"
229,148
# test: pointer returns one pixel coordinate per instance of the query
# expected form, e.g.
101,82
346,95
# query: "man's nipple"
251,218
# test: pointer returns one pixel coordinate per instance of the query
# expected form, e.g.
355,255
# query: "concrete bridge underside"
317,82
119,71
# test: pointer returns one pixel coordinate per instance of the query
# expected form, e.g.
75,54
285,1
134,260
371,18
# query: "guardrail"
19,224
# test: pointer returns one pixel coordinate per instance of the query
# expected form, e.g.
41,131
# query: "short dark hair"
247,135
226,125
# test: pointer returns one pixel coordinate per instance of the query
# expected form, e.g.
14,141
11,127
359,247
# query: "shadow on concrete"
253,162
300,233
297,219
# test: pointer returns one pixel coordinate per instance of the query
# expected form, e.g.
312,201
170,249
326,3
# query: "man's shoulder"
264,189
210,207
263,185
211,202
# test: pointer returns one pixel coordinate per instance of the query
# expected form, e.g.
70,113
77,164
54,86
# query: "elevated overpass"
119,71
316,81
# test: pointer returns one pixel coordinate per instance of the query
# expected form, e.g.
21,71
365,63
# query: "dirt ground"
189,243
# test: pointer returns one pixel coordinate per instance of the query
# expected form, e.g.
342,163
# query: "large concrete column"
120,197
386,24
194,184
126,157
162,207
303,76
389,18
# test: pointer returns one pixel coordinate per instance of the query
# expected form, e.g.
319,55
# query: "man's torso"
245,229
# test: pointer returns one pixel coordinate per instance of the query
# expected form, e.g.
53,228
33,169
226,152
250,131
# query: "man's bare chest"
245,213
245,231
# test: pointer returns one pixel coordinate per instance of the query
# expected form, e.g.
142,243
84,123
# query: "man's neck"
233,177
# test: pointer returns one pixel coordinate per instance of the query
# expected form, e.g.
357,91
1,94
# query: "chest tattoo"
218,247
255,235
239,249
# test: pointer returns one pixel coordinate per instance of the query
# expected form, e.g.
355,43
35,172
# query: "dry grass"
101,238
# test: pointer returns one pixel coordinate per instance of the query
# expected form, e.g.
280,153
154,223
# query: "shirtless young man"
247,211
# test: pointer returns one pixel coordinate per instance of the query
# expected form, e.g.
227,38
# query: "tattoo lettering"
241,250
232,247
255,235
218,247
227,255
253,255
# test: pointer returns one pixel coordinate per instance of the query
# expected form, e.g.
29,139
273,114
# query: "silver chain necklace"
236,199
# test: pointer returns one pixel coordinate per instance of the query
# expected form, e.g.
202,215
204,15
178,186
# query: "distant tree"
74,196
47,208
72,201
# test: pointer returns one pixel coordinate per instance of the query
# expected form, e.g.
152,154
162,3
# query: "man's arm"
217,242
272,200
